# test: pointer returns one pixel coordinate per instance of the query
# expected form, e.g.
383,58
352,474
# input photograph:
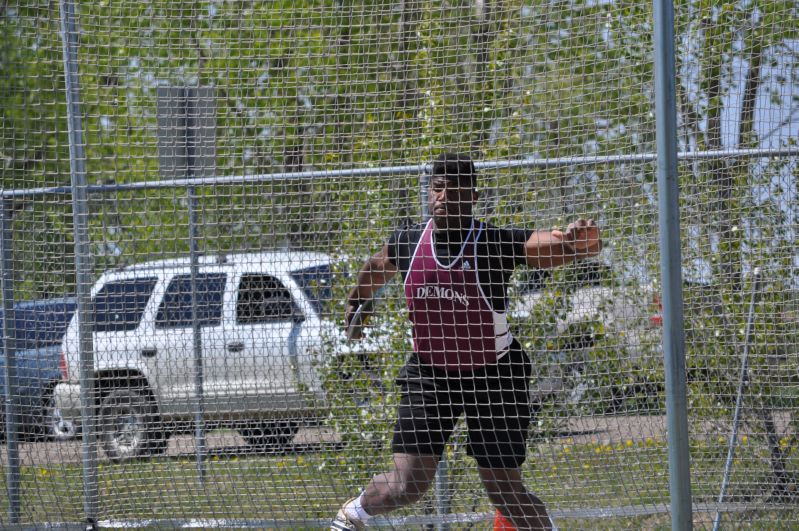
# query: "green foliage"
359,381
320,85
620,383
590,360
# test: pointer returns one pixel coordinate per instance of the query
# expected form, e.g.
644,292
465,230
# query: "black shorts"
495,400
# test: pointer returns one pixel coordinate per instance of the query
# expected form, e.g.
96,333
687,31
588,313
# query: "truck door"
258,347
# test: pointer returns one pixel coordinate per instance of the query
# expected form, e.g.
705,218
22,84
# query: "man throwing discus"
455,270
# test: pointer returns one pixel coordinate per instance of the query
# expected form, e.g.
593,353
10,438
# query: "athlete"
465,361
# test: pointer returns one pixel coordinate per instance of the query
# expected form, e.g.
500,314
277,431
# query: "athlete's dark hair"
456,165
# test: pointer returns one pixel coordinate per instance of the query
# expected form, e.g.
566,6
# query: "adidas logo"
467,265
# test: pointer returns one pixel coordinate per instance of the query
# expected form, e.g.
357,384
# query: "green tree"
745,224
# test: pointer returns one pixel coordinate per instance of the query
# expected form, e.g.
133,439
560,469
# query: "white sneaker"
342,522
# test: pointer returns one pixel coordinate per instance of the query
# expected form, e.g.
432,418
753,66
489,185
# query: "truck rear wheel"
271,436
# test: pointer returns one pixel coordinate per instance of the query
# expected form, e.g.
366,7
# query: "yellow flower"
629,443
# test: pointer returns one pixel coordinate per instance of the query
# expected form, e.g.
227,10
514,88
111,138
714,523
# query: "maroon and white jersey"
455,326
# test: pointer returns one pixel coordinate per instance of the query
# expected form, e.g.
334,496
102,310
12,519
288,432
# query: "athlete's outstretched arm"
551,248
374,274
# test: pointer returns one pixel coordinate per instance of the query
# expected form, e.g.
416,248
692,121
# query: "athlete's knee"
411,478
407,488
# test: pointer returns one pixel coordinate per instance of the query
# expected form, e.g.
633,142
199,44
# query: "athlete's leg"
425,420
507,492
406,483
498,420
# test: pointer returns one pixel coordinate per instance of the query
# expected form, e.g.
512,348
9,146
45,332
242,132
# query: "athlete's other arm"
374,274
551,248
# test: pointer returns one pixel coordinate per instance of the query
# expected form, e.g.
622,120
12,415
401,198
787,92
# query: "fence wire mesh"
243,161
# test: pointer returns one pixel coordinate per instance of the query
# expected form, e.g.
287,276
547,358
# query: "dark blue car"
39,330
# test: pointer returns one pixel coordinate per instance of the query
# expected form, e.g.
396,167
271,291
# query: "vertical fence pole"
83,278
670,266
190,98
739,397
441,490
199,409
9,349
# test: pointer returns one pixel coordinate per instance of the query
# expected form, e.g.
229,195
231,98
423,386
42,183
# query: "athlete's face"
451,202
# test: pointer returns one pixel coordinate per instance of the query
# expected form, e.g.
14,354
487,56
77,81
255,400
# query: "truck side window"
176,311
119,305
263,299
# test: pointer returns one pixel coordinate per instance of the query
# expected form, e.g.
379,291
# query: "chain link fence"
189,189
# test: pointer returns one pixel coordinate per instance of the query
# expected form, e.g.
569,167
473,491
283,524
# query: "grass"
569,476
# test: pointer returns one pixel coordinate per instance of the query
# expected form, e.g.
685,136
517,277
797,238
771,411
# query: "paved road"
218,443
580,430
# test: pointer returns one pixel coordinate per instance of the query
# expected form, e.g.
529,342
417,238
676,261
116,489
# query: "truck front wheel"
129,425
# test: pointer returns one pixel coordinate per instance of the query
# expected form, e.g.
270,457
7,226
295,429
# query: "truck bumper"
67,400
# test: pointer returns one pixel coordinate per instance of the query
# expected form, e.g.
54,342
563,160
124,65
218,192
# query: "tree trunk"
478,91
784,486
783,483
720,174
407,102
745,138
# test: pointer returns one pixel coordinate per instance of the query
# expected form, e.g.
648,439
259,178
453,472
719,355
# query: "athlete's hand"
583,237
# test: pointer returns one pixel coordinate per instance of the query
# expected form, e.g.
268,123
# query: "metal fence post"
9,349
83,276
743,381
670,266
441,490
199,409
197,342
190,96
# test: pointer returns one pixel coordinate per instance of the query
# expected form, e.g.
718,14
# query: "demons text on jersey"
439,292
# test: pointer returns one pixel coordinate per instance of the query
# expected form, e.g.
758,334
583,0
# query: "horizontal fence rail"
414,169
